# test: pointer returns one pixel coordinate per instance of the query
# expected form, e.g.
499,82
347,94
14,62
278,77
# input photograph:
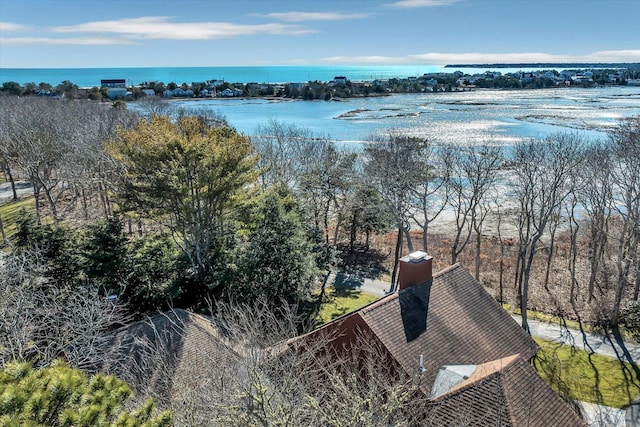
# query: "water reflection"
459,117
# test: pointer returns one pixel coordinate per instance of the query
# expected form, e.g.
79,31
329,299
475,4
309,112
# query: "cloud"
314,16
488,58
160,27
90,41
11,26
408,4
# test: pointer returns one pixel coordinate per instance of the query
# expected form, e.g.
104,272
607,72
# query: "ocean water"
89,77
498,117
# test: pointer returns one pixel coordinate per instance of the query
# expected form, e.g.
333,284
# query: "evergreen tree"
278,261
105,255
61,396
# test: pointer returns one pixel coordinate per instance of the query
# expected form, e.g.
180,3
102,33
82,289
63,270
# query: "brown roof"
505,392
452,321
168,355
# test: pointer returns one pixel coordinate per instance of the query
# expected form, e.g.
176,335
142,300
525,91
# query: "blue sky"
137,33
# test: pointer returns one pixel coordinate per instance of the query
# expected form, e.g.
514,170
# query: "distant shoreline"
631,65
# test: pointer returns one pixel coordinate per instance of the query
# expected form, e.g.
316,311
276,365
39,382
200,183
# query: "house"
116,88
228,92
113,83
179,92
169,355
470,355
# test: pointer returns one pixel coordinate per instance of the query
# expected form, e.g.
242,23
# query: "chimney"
415,269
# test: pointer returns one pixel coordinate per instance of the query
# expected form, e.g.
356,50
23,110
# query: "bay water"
472,117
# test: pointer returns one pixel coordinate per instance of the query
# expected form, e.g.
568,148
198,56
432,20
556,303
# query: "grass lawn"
587,377
9,213
341,301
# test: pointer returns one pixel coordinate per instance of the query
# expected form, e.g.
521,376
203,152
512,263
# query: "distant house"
148,92
113,83
116,88
179,92
228,92
340,81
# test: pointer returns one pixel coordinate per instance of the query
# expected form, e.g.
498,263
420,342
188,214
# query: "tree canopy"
62,396
184,175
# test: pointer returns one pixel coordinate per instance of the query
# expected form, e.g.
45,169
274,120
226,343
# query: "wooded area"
162,211
139,213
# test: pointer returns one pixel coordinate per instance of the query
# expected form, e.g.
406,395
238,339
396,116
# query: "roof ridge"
447,269
474,379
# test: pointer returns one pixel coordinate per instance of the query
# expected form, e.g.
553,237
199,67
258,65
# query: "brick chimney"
415,269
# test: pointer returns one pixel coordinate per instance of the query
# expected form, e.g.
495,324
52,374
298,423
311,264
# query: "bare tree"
542,174
474,171
429,196
596,199
57,146
258,374
625,144
41,322
286,151
393,165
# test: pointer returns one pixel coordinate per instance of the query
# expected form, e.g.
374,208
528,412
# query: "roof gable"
452,321
505,392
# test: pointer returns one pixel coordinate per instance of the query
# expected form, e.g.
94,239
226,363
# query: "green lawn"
9,213
341,301
586,376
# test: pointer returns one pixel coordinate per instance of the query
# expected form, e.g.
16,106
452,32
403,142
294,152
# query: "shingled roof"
452,320
506,392
168,354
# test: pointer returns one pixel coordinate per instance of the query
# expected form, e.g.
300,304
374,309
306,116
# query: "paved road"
609,346
22,187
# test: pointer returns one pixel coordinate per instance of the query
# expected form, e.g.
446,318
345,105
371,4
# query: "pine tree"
62,396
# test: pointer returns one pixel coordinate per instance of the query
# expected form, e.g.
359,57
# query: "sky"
168,33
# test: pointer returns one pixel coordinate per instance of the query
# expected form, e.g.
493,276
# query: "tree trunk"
352,234
337,229
4,236
499,229
36,198
12,181
407,233
550,256
424,235
396,259
574,227
478,249
85,207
